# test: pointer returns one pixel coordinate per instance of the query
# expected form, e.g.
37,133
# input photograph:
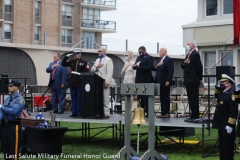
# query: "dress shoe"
55,111
164,116
73,115
79,116
60,112
105,117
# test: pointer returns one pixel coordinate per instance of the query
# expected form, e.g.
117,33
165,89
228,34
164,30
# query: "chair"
177,97
203,101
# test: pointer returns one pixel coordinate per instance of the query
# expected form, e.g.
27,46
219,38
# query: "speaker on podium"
3,84
228,70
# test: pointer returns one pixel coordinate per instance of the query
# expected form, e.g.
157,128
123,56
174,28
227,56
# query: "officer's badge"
81,64
21,100
221,102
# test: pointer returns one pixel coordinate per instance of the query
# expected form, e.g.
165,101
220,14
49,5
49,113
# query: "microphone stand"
97,70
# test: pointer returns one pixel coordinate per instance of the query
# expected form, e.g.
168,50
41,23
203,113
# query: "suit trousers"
193,101
165,99
106,94
226,144
10,134
76,96
58,97
144,102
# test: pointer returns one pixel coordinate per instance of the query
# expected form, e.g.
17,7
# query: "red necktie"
53,72
188,55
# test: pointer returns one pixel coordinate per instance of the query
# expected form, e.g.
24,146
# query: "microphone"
91,63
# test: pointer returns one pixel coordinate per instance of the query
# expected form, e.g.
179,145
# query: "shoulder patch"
21,100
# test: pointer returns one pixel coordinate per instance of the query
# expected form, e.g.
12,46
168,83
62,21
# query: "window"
228,60
211,7
227,6
66,36
37,8
91,14
37,34
7,31
66,12
37,12
209,61
8,6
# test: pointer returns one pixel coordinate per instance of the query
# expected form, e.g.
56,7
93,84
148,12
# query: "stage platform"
116,124
117,118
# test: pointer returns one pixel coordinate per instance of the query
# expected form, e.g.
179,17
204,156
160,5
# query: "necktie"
100,60
188,55
53,72
10,100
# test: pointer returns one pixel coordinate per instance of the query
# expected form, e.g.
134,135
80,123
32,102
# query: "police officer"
77,65
225,117
12,110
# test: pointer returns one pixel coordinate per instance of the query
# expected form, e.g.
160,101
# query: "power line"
151,15
149,34
158,7
138,42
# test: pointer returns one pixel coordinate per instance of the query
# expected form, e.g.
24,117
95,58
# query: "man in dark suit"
164,72
193,70
225,117
143,67
58,83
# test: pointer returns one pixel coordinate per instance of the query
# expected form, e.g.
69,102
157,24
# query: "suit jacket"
106,71
60,75
144,71
226,110
164,72
193,71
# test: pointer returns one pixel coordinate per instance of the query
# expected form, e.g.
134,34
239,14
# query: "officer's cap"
14,83
77,51
226,78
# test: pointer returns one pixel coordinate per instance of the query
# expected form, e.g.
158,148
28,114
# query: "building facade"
213,31
31,31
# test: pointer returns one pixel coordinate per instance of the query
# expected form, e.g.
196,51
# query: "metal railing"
37,20
99,24
8,16
67,22
111,3
66,44
68,1
94,46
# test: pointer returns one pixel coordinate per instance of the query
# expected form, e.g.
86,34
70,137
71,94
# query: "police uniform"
11,133
225,119
77,66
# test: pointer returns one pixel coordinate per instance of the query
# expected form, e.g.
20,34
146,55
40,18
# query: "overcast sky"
146,22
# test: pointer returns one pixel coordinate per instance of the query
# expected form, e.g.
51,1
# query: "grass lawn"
104,149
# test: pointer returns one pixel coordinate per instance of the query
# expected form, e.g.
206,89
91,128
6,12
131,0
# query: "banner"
236,21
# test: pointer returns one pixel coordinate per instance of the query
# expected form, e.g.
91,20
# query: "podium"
92,95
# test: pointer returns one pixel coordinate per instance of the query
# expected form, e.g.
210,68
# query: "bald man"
193,70
105,66
164,72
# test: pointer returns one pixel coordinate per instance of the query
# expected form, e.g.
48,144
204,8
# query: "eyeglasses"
99,51
126,55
